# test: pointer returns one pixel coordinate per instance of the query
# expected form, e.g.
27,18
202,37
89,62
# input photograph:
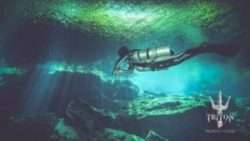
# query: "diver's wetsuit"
220,49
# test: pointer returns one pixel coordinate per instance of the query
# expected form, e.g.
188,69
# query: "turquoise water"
55,53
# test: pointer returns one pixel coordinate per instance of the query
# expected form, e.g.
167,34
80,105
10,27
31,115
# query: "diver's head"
123,51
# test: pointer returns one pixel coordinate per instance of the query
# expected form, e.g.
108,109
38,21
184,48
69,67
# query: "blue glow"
189,76
39,91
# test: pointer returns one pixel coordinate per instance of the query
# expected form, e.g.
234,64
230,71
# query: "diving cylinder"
150,55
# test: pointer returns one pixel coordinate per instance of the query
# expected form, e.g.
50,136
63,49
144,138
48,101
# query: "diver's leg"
220,49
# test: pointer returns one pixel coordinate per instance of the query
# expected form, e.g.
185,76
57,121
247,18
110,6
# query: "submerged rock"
80,111
46,127
164,105
64,131
119,135
165,118
153,136
242,115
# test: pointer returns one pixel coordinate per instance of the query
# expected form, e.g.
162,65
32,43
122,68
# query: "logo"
220,116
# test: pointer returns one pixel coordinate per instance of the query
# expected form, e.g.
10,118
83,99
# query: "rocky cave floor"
131,118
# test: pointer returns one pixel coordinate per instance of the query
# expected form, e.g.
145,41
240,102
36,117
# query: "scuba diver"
153,59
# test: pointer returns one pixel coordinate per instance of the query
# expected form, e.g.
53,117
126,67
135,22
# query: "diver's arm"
138,68
117,68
